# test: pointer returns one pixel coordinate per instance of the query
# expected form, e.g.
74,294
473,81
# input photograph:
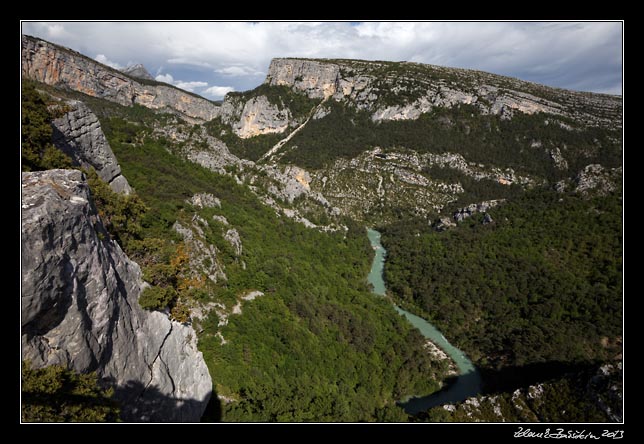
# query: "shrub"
38,153
157,298
57,394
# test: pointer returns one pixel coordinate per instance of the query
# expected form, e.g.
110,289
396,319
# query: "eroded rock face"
261,117
420,87
62,67
79,307
316,79
79,135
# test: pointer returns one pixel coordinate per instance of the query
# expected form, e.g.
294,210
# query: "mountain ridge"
59,66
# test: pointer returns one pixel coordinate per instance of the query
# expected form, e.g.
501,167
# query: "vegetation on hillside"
488,139
56,394
38,152
542,283
318,346
251,148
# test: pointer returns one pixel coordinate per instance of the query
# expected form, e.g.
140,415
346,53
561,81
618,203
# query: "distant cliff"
79,307
62,67
404,90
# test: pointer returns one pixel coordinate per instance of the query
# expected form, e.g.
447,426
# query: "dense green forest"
542,283
346,132
318,346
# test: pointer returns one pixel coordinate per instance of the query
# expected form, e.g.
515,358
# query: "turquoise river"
468,382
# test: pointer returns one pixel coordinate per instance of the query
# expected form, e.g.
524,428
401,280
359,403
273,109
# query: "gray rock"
205,200
232,237
487,219
138,71
444,223
204,257
595,179
79,307
78,134
220,219
558,159
315,78
255,117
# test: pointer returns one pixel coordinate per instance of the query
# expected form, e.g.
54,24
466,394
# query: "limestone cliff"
404,91
254,117
78,134
318,79
79,307
62,67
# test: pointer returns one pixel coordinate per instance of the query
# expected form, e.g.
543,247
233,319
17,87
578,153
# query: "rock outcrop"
63,67
594,179
138,71
258,116
79,307
316,78
78,134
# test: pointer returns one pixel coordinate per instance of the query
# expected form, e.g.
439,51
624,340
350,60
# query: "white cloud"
217,92
105,61
236,71
190,86
165,78
585,55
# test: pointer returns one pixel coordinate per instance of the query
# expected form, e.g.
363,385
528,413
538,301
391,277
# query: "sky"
213,58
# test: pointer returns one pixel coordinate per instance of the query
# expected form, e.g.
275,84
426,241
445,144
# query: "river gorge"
468,382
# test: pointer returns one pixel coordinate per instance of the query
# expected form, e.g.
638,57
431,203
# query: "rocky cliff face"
79,307
317,79
78,134
254,117
58,66
404,91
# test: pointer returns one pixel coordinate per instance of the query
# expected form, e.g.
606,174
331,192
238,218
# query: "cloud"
217,92
165,78
236,71
190,62
190,86
583,55
105,61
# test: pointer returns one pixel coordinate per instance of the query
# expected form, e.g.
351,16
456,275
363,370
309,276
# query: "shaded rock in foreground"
79,307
